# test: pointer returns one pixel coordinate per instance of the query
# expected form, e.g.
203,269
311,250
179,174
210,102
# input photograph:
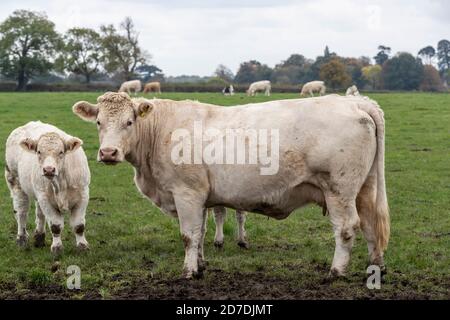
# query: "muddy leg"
39,232
191,219
201,255
240,218
345,220
78,223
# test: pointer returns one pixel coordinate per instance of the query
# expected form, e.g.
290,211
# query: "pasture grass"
137,252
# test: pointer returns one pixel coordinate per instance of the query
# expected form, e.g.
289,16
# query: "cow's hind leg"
39,232
219,218
240,218
345,220
191,217
365,203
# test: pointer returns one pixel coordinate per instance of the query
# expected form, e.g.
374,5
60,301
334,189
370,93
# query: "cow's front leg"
201,254
78,222
191,217
219,219
55,221
39,233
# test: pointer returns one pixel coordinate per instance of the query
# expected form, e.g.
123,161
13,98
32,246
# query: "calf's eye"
129,123
98,123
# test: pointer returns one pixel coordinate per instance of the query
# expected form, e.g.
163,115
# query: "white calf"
46,164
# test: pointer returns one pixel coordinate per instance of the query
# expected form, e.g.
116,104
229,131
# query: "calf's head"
115,115
51,150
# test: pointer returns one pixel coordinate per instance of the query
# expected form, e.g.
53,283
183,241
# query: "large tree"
334,74
372,74
428,53
294,70
251,71
224,73
82,52
122,51
431,80
403,72
28,45
382,55
443,53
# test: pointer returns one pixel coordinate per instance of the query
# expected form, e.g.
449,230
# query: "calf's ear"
29,145
85,110
72,144
142,108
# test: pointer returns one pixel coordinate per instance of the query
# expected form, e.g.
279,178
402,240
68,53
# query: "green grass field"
137,252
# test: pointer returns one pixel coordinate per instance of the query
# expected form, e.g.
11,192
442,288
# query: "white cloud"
193,37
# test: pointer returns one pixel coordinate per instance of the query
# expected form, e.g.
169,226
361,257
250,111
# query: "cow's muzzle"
109,155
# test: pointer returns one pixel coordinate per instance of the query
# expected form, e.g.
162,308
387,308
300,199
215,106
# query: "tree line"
31,48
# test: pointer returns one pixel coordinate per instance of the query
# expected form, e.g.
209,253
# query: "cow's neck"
144,146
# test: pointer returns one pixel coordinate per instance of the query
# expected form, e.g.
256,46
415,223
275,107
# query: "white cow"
48,165
264,85
133,85
327,150
312,87
352,91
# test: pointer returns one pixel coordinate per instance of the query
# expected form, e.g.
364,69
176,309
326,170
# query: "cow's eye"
61,153
129,123
98,123
39,153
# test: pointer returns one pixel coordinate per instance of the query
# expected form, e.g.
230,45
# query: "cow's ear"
86,111
29,145
72,144
142,108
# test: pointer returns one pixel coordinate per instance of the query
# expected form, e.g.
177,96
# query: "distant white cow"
352,91
264,85
312,87
133,85
46,164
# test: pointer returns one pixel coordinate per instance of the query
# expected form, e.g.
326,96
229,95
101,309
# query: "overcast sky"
193,37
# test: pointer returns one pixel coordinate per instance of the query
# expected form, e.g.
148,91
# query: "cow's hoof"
189,275
39,240
335,274
218,244
243,244
22,241
56,250
197,275
82,247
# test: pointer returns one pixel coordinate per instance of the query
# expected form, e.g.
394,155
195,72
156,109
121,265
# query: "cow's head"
115,115
51,150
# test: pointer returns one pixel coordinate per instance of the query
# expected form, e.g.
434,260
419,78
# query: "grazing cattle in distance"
228,90
328,151
131,86
352,91
263,86
152,87
46,164
312,87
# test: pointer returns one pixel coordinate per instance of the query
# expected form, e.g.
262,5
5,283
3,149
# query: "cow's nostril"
114,153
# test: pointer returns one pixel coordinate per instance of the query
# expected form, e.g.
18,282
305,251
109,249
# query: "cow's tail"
380,216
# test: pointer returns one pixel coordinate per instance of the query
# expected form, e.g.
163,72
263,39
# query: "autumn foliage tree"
431,80
335,74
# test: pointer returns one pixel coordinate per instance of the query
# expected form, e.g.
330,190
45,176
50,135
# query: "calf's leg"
78,223
55,221
39,232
